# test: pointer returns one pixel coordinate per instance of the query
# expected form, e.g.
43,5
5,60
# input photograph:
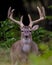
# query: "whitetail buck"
21,49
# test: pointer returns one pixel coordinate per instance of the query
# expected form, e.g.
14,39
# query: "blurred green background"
10,33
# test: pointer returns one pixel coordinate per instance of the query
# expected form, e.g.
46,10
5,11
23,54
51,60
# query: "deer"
23,47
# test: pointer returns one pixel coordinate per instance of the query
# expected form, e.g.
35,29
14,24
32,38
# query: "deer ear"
35,27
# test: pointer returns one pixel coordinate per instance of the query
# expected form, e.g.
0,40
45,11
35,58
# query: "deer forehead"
26,28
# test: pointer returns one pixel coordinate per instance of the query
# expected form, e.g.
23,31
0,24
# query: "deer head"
26,30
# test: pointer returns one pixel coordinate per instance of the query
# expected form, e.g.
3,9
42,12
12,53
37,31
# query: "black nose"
26,36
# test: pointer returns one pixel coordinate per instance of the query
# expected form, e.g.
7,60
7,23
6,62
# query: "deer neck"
26,44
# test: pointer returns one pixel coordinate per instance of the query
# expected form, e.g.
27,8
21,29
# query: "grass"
4,57
34,60
43,59
40,60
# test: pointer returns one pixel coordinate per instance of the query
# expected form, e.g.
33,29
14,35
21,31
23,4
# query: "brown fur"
26,43
18,55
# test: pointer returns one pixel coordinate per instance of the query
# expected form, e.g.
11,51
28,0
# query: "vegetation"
10,33
50,6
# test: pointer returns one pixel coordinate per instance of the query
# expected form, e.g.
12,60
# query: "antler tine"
21,21
30,20
12,12
10,16
41,13
9,10
43,10
42,16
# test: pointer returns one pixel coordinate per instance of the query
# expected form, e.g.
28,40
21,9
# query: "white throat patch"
26,45
26,41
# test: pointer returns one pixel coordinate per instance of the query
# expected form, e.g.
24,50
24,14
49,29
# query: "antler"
42,16
10,16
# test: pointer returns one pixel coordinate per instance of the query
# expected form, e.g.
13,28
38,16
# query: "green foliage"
8,43
10,32
43,46
41,35
44,59
50,6
48,17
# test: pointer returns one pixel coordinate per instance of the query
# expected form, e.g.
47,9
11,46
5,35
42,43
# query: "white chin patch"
26,41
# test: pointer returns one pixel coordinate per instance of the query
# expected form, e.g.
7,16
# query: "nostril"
26,36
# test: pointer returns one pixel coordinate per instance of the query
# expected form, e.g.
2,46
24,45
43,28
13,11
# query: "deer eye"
30,31
22,31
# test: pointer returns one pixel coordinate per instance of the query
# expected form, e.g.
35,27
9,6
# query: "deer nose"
26,36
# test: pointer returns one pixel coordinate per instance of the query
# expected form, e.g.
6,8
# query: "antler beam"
41,13
10,16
